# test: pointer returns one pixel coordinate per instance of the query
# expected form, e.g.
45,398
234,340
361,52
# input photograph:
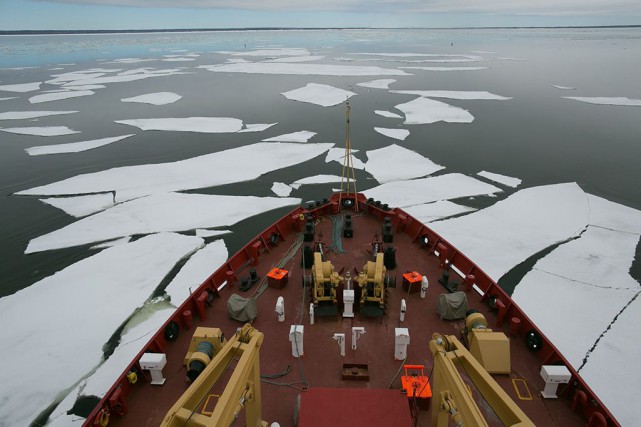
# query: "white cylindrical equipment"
401,340
311,313
424,285
296,338
340,338
280,309
357,331
403,309
348,303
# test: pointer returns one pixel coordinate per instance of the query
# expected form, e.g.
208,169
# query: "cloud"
500,7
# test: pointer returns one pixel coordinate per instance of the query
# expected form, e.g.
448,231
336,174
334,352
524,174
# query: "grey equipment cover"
452,306
241,308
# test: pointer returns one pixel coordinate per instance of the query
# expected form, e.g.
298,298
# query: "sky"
164,14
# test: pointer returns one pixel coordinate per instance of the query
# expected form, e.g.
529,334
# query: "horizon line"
176,30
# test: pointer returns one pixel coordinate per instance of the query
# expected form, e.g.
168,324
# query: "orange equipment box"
412,281
277,278
416,385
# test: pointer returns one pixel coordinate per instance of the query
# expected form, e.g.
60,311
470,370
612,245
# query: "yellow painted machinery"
372,282
241,391
205,343
326,280
491,349
451,397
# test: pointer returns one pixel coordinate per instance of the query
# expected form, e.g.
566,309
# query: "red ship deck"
143,404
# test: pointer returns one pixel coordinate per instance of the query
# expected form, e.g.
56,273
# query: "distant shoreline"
199,30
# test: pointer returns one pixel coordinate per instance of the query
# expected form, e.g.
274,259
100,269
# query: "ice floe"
388,114
611,370
446,68
303,69
8,98
318,179
178,59
507,58
203,232
395,163
300,136
429,212
319,94
114,242
209,170
431,189
501,179
256,127
377,84
125,276
197,269
188,124
21,87
308,58
80,206
415,55
399,134
41,131
425,110
48,97
453,94
73,147
603,100
270,52
338,155
134,337
17,115
281,189
500,237
155,213
157,98
564,87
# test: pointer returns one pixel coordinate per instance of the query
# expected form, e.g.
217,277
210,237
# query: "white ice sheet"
399,134
425,110
304,69
453,94
114,242
41,131
80,206
318,179
338,155
125,276
396,163
300,136
501,179
157,98
197,269
47,97
446,68
188,124
17,115
197,172
564,87
429,212
603,100
73,147
290,59
377,84
388,114
155,213
281,189
501,236
319,94
431,189
21,87
256,127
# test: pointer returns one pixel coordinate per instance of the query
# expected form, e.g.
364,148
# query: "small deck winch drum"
475,321
199,360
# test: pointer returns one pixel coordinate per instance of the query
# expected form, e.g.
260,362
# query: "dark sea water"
537,136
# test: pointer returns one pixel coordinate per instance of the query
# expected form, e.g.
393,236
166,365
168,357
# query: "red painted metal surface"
583,399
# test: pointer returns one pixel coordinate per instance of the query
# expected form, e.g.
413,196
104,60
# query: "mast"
348,179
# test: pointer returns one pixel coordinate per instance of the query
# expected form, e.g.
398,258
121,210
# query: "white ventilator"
403,309
154,362
296,338
401,340
280,309
424,285
357,331
311,313
348,303
340,338
553,375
